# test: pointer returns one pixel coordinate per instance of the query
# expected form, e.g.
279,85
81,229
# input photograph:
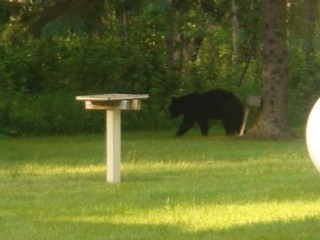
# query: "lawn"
172,188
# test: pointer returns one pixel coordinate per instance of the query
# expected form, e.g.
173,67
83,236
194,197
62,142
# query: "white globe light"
313,134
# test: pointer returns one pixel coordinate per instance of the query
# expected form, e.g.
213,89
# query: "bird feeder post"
113,104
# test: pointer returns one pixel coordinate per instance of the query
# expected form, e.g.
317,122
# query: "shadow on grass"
209,185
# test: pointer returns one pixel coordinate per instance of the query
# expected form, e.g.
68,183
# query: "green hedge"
40,79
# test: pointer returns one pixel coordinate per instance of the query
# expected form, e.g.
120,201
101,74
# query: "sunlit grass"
203,217
186,188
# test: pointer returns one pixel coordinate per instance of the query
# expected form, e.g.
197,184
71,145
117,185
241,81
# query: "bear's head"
176,108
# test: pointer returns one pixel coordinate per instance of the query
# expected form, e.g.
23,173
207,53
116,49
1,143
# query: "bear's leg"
185,126
204,126
229,127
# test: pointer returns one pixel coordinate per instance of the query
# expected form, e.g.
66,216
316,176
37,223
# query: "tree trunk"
312,12
272,122
235,30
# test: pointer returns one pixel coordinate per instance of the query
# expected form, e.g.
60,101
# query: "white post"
244,121
113,139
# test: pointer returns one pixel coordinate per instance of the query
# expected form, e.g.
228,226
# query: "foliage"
301,84
54,188
52,51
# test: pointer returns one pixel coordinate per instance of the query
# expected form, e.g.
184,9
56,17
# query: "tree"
272,122
235,28
311,15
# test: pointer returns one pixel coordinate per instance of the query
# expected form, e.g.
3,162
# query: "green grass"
187,188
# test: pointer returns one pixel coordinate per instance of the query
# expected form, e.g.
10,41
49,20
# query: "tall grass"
187,188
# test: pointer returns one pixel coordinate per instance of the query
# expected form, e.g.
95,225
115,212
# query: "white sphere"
313,134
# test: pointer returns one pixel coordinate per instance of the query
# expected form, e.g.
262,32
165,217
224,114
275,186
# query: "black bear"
201,107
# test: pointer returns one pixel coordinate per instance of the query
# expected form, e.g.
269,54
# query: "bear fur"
199,108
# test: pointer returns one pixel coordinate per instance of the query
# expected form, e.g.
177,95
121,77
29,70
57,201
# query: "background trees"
51,51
